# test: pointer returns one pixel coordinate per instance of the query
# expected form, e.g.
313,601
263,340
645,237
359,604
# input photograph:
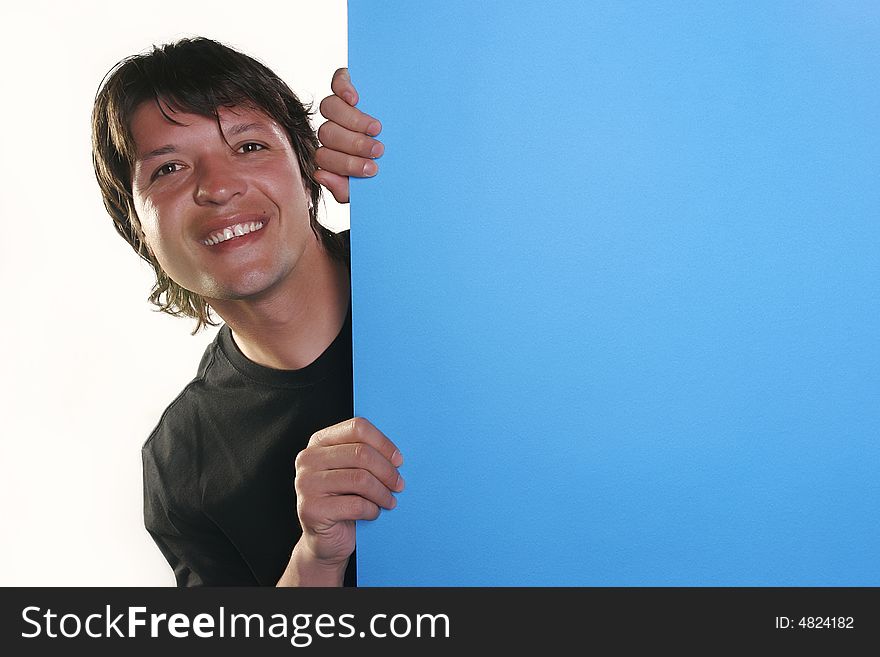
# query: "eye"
166,169
251,147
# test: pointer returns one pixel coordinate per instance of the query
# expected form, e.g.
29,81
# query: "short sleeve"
197,550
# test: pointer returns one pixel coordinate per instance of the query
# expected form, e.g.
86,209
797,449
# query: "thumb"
335,184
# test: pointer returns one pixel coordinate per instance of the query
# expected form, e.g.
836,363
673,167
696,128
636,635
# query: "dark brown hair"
197,76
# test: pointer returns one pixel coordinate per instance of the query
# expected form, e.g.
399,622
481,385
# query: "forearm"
305,570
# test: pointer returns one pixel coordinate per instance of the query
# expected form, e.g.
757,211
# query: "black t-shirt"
219,498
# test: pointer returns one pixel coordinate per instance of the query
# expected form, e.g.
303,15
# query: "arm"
348,147
348,472
198,552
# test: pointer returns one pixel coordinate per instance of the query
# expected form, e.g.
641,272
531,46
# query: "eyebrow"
233,131
162,150
245,127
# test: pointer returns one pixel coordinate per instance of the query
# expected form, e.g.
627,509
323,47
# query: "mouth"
232,232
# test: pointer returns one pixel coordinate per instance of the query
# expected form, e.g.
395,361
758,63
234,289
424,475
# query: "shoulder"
176,435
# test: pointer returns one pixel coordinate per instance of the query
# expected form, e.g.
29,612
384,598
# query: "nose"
217,181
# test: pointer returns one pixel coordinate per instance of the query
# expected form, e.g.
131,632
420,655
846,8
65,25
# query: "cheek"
300,196
148,218
282,181
149,213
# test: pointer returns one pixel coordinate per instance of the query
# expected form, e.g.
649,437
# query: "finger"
310,463
337,508
355,481
338,185
345,165
333,108
337,138
341,86
358,430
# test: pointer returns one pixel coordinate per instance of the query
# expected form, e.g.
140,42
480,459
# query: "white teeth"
233,231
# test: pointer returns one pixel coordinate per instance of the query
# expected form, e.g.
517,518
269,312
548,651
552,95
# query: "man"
207,163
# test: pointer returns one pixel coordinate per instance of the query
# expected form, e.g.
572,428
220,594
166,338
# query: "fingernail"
370,168
377,150
399,485
374,128
393,502
397,458
349,97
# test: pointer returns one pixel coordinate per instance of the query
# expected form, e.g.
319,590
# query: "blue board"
616,291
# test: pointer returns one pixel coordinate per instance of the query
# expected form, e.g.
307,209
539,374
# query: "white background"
87,367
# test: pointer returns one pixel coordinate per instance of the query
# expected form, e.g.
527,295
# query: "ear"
307,189
134,223
145,245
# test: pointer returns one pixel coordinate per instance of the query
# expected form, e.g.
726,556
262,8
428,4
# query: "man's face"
224,220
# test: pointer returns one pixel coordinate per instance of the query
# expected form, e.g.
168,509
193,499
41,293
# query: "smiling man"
225,211
208,166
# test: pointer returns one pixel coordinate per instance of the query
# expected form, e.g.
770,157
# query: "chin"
250,286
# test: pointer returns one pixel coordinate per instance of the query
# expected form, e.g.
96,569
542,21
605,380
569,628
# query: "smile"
232,231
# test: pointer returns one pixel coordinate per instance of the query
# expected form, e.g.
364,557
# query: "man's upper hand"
348,147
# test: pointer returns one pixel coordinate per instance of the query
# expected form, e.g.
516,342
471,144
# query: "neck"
289,326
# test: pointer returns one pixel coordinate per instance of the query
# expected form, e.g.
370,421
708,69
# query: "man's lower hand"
348,472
